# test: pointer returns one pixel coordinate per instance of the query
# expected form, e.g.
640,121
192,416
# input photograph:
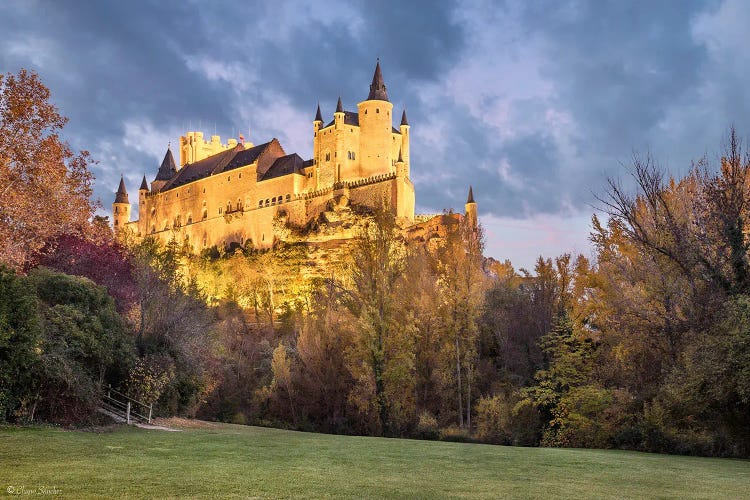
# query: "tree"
381,359
44,186
462,287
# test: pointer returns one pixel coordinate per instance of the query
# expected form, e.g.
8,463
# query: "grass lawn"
238,461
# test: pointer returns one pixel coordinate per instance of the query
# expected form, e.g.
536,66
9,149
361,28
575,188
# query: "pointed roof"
403,118
400,157
339,106
168,168
122,194
470,199
377,88
318,116
144,185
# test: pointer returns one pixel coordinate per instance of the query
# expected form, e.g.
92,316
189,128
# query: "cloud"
534,104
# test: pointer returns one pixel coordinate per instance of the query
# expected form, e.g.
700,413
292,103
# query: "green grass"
239,461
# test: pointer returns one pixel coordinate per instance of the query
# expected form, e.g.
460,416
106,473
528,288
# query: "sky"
534,104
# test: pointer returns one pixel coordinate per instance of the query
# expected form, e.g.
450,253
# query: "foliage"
63,340
44,186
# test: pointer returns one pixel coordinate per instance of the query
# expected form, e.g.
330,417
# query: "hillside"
221,460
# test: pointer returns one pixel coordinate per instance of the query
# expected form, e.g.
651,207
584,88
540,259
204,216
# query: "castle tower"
471,208
167,170
404,129
142,192
338,149
121,207
376,126
317,123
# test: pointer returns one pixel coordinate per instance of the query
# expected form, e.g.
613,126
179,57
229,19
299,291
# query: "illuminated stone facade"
241,193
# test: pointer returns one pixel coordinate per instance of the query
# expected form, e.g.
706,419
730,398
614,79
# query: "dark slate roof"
122,194
339,106
403,118
350,118
245,156
318,116
470,199
144,184
289,164
377,88
265,154
168,167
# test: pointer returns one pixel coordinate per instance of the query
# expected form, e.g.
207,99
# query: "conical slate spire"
470,199
377,88
144,185
400,157
122,194
168,169
318,116
403,118
339,106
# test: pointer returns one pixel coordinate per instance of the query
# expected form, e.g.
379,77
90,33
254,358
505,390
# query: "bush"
503,419
427,426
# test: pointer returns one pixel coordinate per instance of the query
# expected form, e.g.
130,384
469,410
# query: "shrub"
427,426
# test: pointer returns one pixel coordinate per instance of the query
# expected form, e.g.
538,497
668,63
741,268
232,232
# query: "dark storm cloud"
535,104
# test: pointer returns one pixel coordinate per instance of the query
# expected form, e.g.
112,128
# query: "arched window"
205,213
229,206
239,205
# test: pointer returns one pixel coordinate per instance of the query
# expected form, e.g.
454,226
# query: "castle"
236,193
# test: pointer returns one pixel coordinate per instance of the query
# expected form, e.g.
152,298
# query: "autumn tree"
381,359
44,185
462,286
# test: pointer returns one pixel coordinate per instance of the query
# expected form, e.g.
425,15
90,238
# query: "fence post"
150,407
127,416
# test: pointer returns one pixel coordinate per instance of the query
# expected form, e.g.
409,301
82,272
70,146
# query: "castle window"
328,156
260,203
219,210
177,195
335,154
117,210
205,213
239,205
190,219
267,201
377,110
365,111
288,197
116,222
229,206
239,176
229,178
153,229
204,190
354,156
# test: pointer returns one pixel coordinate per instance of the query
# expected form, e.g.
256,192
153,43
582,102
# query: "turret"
121,207
404,129
471,209
401,169
167,170
375,128
338,115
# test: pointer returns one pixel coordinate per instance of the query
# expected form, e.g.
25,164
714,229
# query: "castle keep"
238,193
